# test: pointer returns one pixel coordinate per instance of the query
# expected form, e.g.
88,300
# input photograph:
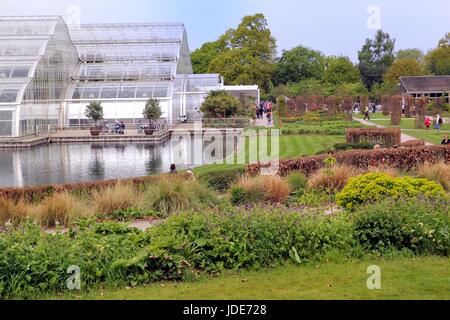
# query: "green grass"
407,123
431,136
401,278
290,147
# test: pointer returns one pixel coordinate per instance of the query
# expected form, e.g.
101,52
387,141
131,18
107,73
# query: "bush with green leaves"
419,225
223,179
298,182
373,187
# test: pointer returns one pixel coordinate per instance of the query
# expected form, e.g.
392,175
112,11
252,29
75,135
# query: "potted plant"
94,111
152,112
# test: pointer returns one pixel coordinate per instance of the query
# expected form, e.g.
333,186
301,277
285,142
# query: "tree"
152,110
415,54
240,67
244,55
438,61
403,67
219,104
94,111
375,57
202,57
340,70
299,64
445,41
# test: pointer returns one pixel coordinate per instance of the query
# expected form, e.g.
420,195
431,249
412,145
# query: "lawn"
407,123
401,278
431,136
291,147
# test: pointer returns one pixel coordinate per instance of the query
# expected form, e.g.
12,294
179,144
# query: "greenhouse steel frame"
50,72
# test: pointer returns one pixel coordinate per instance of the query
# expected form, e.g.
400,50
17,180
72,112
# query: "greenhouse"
49,72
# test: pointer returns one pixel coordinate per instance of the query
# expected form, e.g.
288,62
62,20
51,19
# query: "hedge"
389,137
400,158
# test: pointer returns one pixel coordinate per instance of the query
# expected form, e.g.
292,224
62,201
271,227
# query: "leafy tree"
244,55
438,61
375,57
403,67
445,41
299,64
310,87
202,57
152,110
240,67
219,104
94,111
415,54
340,70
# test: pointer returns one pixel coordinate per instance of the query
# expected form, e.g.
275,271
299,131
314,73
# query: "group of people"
118,127
438,124
264,108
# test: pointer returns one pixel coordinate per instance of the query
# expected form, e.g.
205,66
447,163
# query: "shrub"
297,181
374,187
352,146
417,225
60,209
253,187
118,197
439,172
238,195
262,188
14,213
413,144
388,137
276,189
223,179
332,179
170,197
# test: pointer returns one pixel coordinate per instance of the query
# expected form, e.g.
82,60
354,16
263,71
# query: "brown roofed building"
426,86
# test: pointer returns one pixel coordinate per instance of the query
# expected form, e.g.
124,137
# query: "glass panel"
5,72
6,115
8,95
76,93
109,93
5,128
127,93
145,92
91,93
20,72
160,92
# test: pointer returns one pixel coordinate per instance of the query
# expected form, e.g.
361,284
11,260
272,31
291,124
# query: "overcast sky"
332,26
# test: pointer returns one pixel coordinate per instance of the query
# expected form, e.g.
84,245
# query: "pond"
70,163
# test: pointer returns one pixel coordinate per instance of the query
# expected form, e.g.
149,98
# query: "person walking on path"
367,114
427,123
439,122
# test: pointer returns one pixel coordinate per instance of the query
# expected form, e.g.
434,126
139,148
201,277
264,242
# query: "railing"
226,122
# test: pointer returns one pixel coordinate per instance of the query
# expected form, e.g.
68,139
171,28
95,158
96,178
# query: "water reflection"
93,161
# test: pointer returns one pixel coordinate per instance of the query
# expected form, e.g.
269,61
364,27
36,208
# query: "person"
439,122
403,109
140,126
445,141
269,117
173,168
367,114
427,123
374,108
190,173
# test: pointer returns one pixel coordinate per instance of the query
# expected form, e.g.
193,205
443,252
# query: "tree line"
247,55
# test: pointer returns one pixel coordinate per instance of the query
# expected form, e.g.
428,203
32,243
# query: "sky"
335,27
